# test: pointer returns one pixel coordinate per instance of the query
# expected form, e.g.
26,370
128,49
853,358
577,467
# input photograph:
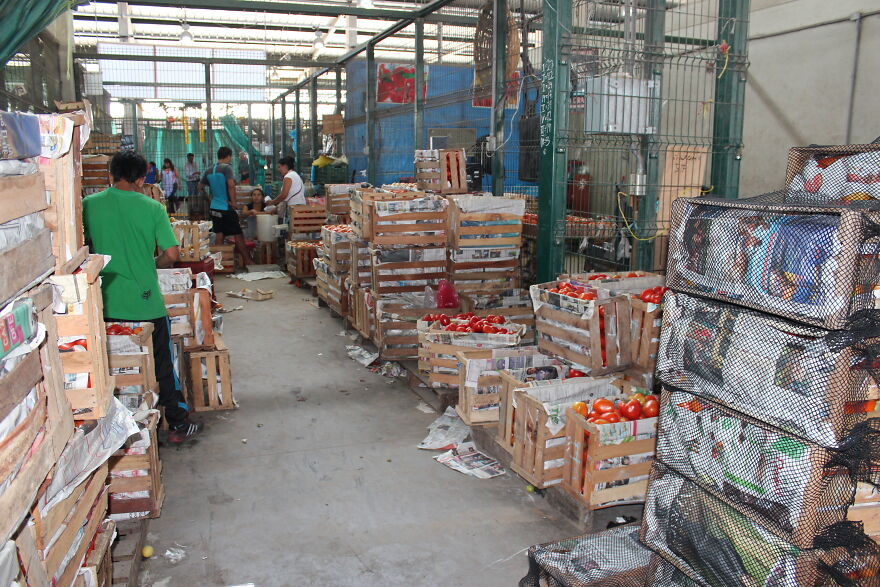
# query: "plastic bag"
447,297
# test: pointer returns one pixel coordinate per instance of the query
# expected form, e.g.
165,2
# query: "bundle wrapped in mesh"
783,253
796,488
611,557
813,383
716,545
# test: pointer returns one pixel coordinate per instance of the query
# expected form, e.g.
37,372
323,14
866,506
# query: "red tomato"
603,405
490,330
576,373
632,409
598,421
612,417
651,408
632,274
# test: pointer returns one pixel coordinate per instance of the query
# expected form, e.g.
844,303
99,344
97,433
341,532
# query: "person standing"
170,182
191,174
244,169
127,225
221,181
152,173
292,189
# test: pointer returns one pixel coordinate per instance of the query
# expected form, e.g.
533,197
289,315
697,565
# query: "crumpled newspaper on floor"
446,432
257,275
389,369
258,295
360,354
468,460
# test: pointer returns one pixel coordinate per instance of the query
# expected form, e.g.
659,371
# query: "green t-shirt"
128,226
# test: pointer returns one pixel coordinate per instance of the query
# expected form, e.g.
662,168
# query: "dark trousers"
170,396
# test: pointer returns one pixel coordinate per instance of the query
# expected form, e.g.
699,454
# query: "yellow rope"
726,59
629,224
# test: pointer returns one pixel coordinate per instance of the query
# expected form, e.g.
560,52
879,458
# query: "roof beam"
292,62
276,7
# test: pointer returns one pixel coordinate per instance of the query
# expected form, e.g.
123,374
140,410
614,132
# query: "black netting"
717,545
796,488
612,557
806,381
782,253
844,173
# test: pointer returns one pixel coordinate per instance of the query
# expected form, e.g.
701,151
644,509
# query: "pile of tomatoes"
302,244
343,228
605,411
599,276
120,330
578,292
467,322
653,295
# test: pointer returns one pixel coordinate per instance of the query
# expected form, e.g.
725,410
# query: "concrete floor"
329,488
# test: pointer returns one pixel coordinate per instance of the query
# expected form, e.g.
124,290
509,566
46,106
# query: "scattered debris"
423,407
225,310
174,555
446,432
255,295
389,369
260,275
361,355
244,440
468,460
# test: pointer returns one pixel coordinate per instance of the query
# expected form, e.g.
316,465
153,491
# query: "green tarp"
20,20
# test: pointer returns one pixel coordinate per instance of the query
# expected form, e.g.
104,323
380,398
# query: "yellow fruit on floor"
147,552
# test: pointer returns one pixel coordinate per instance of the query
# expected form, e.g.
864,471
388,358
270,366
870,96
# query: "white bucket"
266,227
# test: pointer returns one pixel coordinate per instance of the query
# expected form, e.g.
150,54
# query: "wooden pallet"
126,551
207,393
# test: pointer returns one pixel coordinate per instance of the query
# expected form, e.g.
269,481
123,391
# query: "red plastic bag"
447,297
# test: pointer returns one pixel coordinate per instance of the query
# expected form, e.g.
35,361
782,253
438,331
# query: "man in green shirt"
129,226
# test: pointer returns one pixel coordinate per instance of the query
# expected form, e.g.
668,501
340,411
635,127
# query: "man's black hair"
153,163
128,165
289,162
190,155
223,153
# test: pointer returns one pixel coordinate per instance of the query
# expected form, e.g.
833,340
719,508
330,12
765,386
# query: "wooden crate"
99,563
539,449
360,203
511,380
138,469
331,288
95,173
438,350
363,313
138,368
181,312
126,552
446,175
599,343
300,258
419,227
333,124
645,331
602,474
396,333
306,219
514,304
363,261
63,216
479,379
265,253
227,257
405,276
337,256
26,265
193,238
206,391
483,229
85,321
484,276
336,198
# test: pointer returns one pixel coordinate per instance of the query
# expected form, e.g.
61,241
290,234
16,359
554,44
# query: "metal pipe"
418,99
499,93
209,123
370,147
853,80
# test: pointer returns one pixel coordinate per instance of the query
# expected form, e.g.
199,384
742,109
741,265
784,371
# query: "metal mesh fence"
31,79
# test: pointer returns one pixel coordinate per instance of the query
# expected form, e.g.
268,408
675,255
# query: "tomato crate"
396,333
99,563
227,257
130,357
136,488
181,312
513,304
193,238
407,269
82,340
442,170
210,379
593,334
438,349
300,256
412,221
363,260
331,288
306,219
552,369
608,464
481,270
480,381
485,221
362,207
336,249
363,312
336,198
539,427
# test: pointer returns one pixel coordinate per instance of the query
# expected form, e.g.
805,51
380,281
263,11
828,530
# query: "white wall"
801,62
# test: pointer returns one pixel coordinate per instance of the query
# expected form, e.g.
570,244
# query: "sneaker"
184,432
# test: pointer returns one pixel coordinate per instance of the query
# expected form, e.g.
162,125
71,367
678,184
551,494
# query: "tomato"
624,419
639,397
598,421
632,409
632,274
651,408
554,290
576,373
603,405
451,328
612,417
494,319
445,321
580,408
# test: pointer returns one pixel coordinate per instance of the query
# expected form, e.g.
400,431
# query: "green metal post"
209,138
284,135
371,147
273,133
555,84
730,89
419,102
298,116
499,93
339,90
313,110
655,22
